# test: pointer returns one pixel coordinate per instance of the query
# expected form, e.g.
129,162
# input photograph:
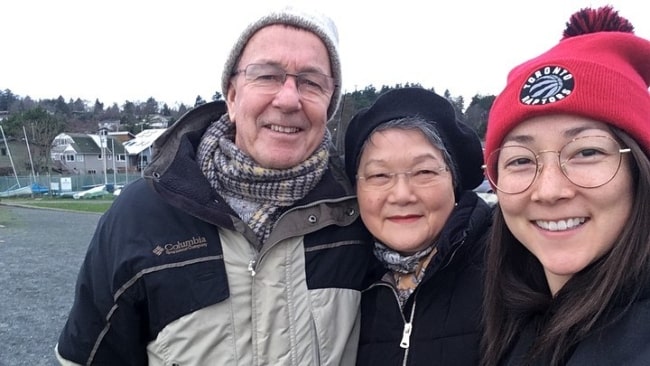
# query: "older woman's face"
405,217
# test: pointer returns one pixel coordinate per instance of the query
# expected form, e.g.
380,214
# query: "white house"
139,148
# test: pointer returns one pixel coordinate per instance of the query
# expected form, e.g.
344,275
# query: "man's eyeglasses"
382,181
587,162
269,79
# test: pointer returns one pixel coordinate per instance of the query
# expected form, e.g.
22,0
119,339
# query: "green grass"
5,218
99,205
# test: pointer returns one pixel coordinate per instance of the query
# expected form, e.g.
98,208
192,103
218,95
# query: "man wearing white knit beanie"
248,247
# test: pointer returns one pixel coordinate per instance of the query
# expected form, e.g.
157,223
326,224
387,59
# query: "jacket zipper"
405,343
408,329
251,267
408,326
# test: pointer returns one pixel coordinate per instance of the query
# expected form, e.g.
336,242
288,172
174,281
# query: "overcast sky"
118,50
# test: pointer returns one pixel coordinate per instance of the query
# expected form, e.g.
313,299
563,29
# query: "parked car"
485,191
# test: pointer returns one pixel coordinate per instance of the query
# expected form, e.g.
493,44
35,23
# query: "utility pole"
113,155
102,141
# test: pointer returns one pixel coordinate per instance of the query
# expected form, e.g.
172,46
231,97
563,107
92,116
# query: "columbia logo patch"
548,84
196,242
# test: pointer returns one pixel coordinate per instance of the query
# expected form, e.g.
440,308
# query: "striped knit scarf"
257,194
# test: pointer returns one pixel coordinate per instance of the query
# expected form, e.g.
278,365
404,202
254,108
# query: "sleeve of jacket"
107,324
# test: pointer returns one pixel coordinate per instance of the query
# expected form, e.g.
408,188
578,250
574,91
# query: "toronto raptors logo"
548,84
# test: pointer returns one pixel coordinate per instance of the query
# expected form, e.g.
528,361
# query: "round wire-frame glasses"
587,162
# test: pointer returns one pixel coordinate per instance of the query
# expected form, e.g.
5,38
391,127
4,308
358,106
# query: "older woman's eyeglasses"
384,180
587,162
269,79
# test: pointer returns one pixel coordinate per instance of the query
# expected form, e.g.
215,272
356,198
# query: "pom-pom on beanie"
312,21
460,140
599,70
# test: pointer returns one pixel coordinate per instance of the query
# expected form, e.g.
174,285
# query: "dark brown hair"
516,288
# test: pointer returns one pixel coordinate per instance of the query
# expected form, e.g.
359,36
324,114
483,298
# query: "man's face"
281,129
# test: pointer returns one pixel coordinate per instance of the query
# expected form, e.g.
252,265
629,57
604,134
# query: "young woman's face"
565,226
406,217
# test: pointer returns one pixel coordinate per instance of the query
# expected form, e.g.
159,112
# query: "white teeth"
282,129
561,224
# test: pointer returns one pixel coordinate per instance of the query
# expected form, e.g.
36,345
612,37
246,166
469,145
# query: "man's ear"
230,100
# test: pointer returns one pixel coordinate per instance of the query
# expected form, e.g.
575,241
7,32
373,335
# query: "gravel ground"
40,254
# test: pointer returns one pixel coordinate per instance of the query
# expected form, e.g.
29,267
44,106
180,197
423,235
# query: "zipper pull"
406,336
251,267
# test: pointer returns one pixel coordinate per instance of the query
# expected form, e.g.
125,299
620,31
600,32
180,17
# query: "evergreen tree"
199,101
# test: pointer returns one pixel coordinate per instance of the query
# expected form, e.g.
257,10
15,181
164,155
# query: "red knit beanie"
599,70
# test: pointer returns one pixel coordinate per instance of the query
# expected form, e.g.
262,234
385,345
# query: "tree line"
42,120
475,115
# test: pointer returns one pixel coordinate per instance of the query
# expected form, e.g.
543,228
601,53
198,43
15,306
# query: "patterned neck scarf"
405,264
257,194
398,262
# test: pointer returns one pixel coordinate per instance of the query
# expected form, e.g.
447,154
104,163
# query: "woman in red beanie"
567,149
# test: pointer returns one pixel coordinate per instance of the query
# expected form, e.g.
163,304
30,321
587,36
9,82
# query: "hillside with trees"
475,114
41,120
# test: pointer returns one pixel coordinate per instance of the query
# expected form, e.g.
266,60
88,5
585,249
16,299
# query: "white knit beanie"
312,21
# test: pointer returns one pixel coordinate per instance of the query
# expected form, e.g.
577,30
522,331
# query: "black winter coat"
171,276
626,342
443,313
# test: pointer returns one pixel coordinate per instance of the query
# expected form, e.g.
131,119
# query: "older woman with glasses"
567,149
414,167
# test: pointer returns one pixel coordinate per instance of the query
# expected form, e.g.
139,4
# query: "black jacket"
626,342
445,309
170,276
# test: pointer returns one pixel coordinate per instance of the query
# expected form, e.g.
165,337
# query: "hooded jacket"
171,276
440,322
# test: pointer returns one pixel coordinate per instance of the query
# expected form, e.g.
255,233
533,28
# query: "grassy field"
5,218
99,205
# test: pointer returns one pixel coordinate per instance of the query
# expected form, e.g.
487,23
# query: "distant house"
109,124
80,153
122,136
158,121
139,148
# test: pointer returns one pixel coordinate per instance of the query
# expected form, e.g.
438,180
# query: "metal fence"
78,182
